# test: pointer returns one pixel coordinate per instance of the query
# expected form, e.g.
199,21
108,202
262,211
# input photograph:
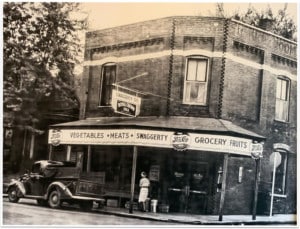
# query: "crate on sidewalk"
135,205
112,203
164,208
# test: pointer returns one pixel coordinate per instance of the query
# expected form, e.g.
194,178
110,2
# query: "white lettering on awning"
152,138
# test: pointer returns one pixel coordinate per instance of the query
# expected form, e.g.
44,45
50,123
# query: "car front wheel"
54,200
13,194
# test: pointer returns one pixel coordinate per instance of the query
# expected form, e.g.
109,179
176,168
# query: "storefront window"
107,80
282,100
114,162
195,88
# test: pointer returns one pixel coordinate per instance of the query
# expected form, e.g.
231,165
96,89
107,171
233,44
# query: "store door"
188,191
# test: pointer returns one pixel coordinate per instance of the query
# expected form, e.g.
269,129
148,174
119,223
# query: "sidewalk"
279,219
192,219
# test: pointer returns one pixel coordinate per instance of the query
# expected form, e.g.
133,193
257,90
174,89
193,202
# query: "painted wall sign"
180,141
55,137
257,150
261,37
152,138
126,104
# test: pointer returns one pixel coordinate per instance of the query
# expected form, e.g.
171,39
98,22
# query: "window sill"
194,104
103,106
281,121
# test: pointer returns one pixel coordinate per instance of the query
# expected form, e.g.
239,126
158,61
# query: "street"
27,212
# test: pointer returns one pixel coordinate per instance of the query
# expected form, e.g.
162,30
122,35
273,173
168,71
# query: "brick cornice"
284,60
127,45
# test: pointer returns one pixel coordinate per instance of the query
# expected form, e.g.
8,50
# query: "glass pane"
201,70
195,93
192,69
278,89
283,90
112,75
281,110
109,78
187,92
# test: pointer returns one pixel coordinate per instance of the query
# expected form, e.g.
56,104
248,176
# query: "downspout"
223,67
219,116
170,78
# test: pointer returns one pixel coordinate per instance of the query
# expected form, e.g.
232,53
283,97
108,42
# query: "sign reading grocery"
126,104
153,138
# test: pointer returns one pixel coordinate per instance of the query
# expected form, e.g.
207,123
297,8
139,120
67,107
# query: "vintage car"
52,183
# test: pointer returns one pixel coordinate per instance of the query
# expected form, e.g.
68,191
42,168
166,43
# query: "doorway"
189,187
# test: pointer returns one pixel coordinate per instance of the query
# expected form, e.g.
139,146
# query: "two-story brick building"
201,93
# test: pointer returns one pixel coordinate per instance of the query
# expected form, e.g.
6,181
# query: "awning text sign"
126,104
153,138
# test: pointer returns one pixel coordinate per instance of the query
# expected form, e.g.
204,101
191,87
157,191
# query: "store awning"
185,124
179,133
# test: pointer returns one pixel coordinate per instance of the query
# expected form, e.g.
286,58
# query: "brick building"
211,89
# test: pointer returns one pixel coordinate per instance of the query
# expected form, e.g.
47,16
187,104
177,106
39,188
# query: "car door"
35,185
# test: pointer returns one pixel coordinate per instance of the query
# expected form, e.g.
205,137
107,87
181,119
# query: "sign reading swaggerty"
153,138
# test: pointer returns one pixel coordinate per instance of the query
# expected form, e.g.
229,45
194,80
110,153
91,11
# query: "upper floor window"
195,85
107,80
282,99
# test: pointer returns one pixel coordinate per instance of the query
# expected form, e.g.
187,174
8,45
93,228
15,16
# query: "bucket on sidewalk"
153,205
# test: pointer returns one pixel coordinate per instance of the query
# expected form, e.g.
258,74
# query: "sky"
110,14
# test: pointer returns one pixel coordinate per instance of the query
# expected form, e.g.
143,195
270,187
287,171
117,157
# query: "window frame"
287,99
101,82
206,82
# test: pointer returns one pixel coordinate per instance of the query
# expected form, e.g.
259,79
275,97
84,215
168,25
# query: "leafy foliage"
281,23
41,46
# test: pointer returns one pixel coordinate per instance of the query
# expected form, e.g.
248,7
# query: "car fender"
19,184
64,190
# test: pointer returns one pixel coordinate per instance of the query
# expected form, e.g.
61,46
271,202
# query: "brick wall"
239,195
253,59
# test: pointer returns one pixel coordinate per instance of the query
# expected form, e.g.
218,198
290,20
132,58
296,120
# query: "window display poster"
154,173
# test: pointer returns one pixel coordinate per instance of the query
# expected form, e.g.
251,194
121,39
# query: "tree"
40,52
41,47
280,23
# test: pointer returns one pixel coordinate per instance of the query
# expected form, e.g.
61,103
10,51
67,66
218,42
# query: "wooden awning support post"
257,180
134,159
89,159
223,189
